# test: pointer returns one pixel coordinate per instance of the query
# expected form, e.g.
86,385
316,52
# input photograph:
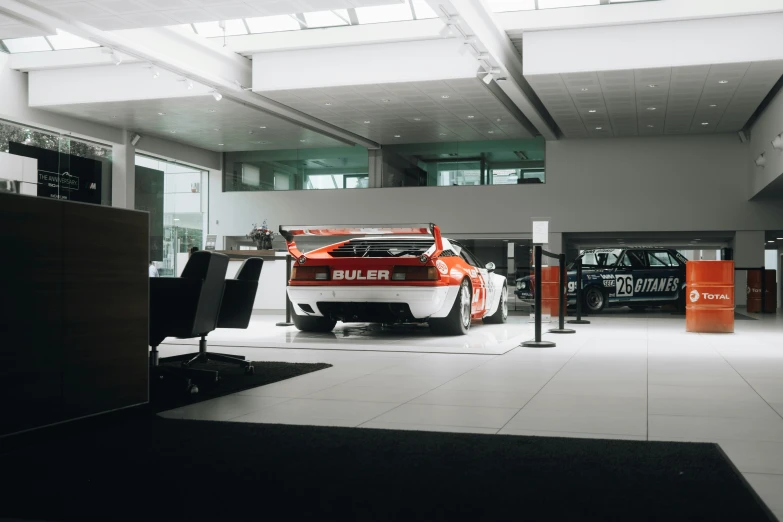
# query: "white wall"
769,125
678,183
22,169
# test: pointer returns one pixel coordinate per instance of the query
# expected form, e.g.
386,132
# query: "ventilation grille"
447,253
383,248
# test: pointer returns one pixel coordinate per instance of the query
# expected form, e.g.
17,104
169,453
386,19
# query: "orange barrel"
710,299
550,281
754,291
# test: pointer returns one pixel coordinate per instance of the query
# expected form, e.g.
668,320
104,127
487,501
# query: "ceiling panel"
127,14
201,122
11,28
673,100
412,112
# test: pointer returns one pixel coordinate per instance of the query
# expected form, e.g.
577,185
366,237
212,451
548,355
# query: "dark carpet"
177,470
167,393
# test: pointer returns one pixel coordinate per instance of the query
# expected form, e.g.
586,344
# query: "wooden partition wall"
74,293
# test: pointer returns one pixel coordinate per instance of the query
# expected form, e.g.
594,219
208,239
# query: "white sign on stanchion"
540,231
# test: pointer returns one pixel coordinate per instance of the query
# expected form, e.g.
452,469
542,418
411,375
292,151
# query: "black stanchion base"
284,324
561,330
538,344
578,321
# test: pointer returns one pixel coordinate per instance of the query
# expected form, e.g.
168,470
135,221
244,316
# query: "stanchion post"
561,288
578,319
287,301
763,290
537,342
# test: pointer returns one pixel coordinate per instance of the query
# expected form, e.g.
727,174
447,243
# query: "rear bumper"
424,302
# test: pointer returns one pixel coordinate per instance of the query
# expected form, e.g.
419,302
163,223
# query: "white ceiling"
672,100
130,14
194,123
11,28
415,111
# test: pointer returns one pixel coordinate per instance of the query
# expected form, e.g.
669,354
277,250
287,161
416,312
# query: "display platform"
482,339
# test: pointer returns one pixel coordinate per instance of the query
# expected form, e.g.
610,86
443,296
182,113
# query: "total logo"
441,266
695,296
357,275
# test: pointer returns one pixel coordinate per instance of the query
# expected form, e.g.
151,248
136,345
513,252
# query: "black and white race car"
637,277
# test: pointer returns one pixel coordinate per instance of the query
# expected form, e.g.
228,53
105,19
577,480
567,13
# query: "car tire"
313,324
501,314
594,299
456,322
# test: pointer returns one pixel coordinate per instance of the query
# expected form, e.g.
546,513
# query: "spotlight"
488,78
155,73
189,84
135,139
217,95
761,161
777,143
115,58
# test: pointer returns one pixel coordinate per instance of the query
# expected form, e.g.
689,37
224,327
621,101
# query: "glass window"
600,258
384,13
458,174
297,169
326,18
27,45
555,4
272,24
657,259
68,168
175,196
63,40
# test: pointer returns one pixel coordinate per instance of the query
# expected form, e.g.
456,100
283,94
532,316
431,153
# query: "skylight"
58,42
500,6
326,18
384,13
272,24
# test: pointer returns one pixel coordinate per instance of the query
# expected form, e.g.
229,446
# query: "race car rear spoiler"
290,231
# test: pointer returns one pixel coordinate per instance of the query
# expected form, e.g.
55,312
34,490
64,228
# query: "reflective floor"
627,376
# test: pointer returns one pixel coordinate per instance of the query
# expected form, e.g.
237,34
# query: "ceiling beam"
189,56
471,20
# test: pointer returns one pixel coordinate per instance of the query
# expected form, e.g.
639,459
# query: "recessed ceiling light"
250,132
490,132
599,128
173,132
442,133
445,96
161,114
217,128
723,81
366,121
220,144
499,119
114,117
705,123
770,241
713,105
396,135
302,141
653,85
471,117
651,108
585,89
386,100
328,103
416,119
780,238
262,126
592,110
651,126
212,110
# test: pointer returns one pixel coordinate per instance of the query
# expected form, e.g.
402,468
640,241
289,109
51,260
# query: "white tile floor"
626,376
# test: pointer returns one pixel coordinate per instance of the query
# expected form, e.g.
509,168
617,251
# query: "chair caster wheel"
192,389
249,370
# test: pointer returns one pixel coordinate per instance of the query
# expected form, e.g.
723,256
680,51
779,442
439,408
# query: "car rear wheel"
501,314
313,324
595,299
458,320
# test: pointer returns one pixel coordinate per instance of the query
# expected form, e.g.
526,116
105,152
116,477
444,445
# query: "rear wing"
289,232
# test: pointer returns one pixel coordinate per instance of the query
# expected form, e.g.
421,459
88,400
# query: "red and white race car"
405,273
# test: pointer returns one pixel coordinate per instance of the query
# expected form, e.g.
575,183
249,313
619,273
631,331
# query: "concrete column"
375,168
748,252
123,185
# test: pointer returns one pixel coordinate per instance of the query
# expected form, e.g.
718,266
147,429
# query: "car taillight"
415,273
310,273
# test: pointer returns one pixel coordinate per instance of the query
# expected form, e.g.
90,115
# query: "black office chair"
235,312
186,307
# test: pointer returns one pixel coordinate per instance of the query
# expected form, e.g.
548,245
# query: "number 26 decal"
624,286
